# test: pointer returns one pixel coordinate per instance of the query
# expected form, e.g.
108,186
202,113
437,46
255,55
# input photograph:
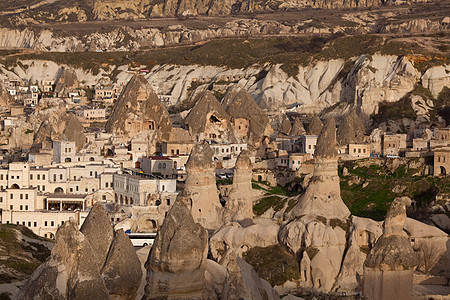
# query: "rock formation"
315,127
263,233
208,120
284,125
66,83
250,123
239,206
389,267
71,271
351,130
98,230
297,128
5,97
122,271
58,10
53,124
177,261
87,265
201,187
242,281
323,196
138,110
316,231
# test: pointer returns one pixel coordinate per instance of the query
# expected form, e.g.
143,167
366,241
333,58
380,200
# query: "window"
43,177
364,150
31,176
61,176
29,224
71,190
359,150
11,207
35,224
21,196
86,190
1,199
1,177
43,188
354,150
12,177
21,207
76,188
11,196
91,173
103,197
54,177
23,223
106,184
45,223
38,177
52,223
26,207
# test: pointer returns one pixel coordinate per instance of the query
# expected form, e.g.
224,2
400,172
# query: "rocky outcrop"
97,229
242,281
121,273
351,130
66,83
436,78
5,98
138,110
378,77
53,124
239,205
250,123
389,267
177,261
208,120
323,196
71,271
201,187
284,124
297,128
262,233
88,264
315,127
139,9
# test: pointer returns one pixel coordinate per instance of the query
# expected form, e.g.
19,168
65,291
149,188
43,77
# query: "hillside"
83,10
21,252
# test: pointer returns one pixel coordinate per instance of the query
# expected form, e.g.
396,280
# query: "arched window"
59,190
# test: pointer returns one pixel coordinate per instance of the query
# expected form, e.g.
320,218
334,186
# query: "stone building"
441,161
393,144
142,190
40,213
307,143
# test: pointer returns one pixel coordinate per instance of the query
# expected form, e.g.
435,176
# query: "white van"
142,239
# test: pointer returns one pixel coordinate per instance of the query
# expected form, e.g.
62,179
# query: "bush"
273,264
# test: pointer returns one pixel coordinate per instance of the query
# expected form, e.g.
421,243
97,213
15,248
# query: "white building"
94,113
307,143
141,190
